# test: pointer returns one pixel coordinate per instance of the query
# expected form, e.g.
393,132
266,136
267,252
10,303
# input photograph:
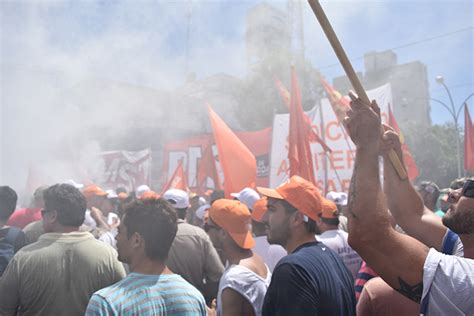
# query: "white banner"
336,166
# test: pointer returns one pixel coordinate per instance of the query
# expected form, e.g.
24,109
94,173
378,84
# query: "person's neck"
64,229
296,241
468,244
145,265
234,254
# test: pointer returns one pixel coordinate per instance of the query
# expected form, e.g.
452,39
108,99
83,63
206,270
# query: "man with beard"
311,279
443,284
145,235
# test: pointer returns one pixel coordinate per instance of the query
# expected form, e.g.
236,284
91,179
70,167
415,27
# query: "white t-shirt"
270,254
448,284
336,240
246,282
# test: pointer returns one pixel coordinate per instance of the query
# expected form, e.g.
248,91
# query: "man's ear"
297,219
137,240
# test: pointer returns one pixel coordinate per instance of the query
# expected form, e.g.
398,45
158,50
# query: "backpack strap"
12,235
448,242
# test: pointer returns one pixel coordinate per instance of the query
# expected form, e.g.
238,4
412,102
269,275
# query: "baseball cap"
150,195
259,209
74,184
340,198
247,196
141,189
201,211
233,217
178,198
93,190
329,209
300,193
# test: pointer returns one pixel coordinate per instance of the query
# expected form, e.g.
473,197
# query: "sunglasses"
468,189
208,227
45,211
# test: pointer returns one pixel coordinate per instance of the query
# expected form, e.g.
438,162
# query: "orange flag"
412,170
177,180
299,152
313,137
237,161
468,141
207,168
339,104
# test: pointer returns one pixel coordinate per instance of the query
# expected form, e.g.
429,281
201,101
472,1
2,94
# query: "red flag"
412,170
313,137
238,163
468,141
177,180
339,104
207,168
299,152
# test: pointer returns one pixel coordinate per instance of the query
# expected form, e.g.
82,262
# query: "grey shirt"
193,256
57,275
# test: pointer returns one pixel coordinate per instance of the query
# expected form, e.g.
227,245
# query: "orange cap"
300,193
233,217
329,209
259,209
93,190
149,195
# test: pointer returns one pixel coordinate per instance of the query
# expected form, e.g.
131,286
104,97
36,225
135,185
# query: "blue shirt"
312,280
143,294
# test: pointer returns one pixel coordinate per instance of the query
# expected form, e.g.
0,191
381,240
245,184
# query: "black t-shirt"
312,280
20,240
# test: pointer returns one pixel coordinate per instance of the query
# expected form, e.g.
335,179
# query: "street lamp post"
455,115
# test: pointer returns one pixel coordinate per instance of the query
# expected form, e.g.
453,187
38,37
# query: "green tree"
434,150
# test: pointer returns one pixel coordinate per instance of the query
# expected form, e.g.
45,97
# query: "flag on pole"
339,104
178,179
313,136
207,169
412,170
237,161
299,151
468,141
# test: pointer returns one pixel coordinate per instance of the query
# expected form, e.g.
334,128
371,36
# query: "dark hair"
156,222
216,195
430,188
331,221
8,199
120,190
68,202
310,225
458,183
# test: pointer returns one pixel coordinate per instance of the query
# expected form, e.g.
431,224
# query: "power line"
408,44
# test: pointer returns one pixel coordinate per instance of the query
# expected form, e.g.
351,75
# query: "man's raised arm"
398,259
404,202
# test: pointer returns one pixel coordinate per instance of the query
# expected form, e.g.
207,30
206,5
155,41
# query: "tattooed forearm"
413,292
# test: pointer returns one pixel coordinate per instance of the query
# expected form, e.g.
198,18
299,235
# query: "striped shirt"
143,294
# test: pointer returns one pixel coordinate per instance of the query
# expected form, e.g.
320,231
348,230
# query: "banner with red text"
192,149
340,162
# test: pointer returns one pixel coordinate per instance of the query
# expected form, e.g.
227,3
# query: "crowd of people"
391,249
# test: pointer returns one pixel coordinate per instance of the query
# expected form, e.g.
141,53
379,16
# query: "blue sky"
142,42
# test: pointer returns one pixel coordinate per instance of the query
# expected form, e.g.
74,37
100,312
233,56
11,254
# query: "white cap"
247,196
74,184
141,189
202,210
202,201
339,198
111,194
178,198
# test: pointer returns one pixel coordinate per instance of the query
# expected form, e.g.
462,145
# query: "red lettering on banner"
350,155
336,157
330,129
331,186
346,183
283,168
